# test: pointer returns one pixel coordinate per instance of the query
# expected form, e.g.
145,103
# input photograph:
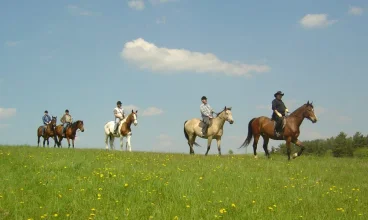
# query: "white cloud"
7,112
75,10
151,111
136,4
161,20
316,21
146,55
12,43
353,10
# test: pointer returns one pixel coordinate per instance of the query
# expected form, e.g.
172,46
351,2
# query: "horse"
124,131
49,132
70,132
264,126
193,128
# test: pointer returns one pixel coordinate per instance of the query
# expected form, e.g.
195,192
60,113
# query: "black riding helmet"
118,103
204,98
46,111
67,110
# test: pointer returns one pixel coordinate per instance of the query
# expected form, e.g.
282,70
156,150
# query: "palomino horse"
70,132
264,126
49,132
193,128
124,130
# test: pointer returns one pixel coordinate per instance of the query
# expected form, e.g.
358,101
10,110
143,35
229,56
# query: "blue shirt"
46,119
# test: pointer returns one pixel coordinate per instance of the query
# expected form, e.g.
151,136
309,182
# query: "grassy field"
42,183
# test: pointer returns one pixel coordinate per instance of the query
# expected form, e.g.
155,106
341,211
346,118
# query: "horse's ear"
136,111
225,107
308,102
132,111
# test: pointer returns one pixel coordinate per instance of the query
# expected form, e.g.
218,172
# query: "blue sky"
161,56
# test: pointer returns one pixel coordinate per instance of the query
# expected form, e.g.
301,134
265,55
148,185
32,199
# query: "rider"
278,112
66,120
206,112
46,120
119,115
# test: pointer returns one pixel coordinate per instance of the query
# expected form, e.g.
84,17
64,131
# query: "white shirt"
118,112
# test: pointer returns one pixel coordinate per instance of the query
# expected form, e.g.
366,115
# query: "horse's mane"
301,108
217,114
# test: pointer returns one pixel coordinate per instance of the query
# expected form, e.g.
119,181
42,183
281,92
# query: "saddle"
283,124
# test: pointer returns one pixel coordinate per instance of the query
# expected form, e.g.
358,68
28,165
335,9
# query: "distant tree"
342,146
359,140
231,151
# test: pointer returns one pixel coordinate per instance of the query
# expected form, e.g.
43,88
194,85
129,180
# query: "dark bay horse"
49,132
193,128
264,126
70,132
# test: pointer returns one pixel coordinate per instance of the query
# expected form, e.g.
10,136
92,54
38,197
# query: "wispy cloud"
76,10
7,112
146,55
136,4
353,10
151,111
161,20
311,21
12,43
155,2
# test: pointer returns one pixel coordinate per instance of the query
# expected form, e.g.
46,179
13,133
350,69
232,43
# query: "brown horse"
70,132
264,126
49,132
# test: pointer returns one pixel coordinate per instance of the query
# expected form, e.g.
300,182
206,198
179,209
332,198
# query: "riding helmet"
118,103
46,111
204,98
67,110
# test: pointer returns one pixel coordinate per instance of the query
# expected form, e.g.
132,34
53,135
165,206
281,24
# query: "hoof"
295,155
256,157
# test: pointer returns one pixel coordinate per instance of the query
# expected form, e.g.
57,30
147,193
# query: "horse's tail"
250,134
187,136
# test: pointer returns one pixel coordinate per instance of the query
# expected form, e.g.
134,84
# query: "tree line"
339,146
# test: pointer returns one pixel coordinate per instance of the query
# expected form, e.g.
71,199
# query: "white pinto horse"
124,130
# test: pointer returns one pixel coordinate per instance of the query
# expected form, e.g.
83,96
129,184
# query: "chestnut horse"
124,131
193,128
70,132
49,132
264,126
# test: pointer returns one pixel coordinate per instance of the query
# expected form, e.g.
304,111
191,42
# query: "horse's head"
228,115
80,125
53,121
134,116
309,112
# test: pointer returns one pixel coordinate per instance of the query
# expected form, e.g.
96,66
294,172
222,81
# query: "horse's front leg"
68,142
288,147
302,148
122,142
219,145
209,140
73,142
128,146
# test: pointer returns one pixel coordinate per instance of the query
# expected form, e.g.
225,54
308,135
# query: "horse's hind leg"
265,145
255,143
38,141
106,141
190,143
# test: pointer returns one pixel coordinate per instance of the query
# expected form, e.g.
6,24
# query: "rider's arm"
62,119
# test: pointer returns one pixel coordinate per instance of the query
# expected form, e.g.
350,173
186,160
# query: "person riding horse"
206,113
66,120
119,115
278,112
46,119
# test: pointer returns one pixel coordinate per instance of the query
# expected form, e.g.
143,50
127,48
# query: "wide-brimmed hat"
278,93
204,98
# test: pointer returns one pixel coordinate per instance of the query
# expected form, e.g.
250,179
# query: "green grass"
48,183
